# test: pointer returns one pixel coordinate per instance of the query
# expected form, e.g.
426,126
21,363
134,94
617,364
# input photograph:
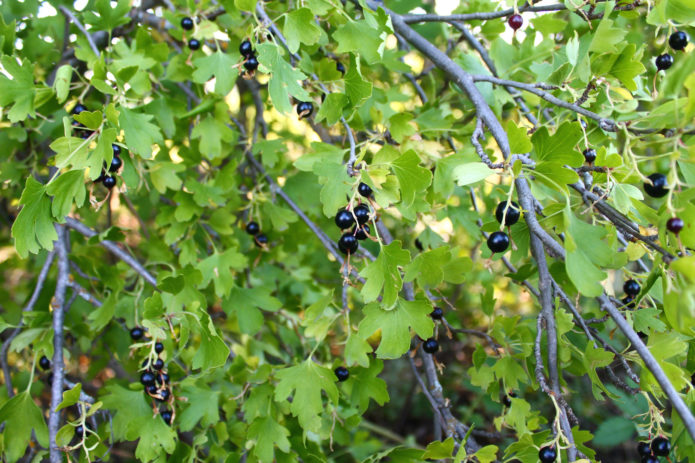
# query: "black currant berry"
631,288
678,40
147,378
340,67
644,449
194,44
348,244
116,164
109,181
151,389
116,149
664,62
430,346
650,459
364,190
158,347
515,21
246,49
629,302
547,454
344,219
166,416
44,363
589,155
79,107
163,378
658,187
158,364
437,313
418,245
513,213
261,240
675,225
362,214
252,228
342,373
661,447
362,232
507,399
304,109
164,395
137,333
498,241
251,64
187,23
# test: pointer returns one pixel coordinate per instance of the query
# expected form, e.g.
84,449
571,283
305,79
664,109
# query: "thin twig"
68,14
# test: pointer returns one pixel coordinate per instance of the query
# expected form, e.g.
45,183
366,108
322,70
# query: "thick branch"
114,248
481,16
58,365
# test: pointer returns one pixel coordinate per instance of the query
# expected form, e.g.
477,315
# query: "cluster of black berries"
253,229
631,289
431,345
651,451
249,54
344,219
154,377
109,181
678,41
547,454
187,24
507,213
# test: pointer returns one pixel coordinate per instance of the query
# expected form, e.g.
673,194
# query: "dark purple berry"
589,155
44,363
661,446
151,389
109,181
261,240
498,241
675,225
515,21
342,373
362,214
246,49
631,288
658,187
344,219
513,213
304,109
547,454
644,449
340,67
79,107
158,364
137,333
166,416
437,313
194,44
251,64
147,378
252,228
116,164
629,302
650,459
362,232
664,62
348,244
430,346
116,149
678,40
364,190
187,23
164,395
158,347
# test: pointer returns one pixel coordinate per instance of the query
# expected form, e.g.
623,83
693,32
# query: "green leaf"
21,416
106,18
334,180
614,431
607,37
219,65
471,172
202,406
384,274
212,352
594,358
61,84
560,147
332,108
412,178
140,133
433,266
66,189
70,397
218,268
357,88
626,67
300,28
519,141
33,229
487,454
284,79
360,37
305,383
18,92
368,386
268,434
163,176
395,325
211,134
583,262
440,450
